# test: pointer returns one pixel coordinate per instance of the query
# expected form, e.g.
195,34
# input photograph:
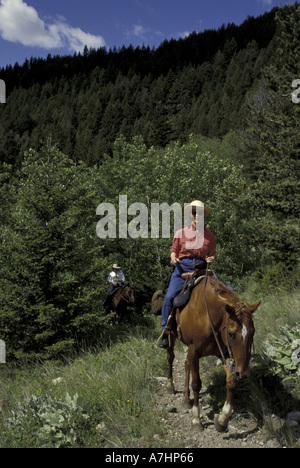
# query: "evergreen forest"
213,117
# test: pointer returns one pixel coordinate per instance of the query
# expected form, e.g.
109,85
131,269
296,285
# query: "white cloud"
267,2
20,22
138,31
184,34
75,38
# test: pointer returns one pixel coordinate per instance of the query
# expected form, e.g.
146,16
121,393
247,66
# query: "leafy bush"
283,352
54,422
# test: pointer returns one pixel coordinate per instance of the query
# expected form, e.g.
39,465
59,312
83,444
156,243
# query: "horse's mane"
221,288
226,293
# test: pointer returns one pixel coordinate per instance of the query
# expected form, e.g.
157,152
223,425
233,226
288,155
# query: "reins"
120,295
213,330
231,362
124,294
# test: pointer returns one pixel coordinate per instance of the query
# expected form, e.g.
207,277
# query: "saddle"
192,278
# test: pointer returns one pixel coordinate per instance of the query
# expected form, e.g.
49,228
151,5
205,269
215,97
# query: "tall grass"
276,310
115,387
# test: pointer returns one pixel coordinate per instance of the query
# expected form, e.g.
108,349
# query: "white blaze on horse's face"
244,333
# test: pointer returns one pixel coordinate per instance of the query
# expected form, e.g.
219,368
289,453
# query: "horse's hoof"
218,426
171,388
187,405
198,427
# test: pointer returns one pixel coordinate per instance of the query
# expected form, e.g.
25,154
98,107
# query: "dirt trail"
241,433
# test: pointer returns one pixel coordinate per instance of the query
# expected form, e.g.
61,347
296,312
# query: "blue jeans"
176,285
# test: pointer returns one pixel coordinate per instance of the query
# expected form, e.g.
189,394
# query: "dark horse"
121,297
215,322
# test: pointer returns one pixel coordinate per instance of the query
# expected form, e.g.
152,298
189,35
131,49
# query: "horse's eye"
231,335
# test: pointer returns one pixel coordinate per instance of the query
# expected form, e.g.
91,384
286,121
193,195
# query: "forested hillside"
194,85
208,117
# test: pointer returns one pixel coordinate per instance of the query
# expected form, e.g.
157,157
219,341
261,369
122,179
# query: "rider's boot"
164,344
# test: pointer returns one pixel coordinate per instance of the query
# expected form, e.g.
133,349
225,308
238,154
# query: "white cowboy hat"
196,204
116,266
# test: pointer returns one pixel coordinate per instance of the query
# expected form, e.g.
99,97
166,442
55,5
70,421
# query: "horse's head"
129,293
239,332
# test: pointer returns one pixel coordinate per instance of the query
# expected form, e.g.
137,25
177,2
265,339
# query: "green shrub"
52,423
282,351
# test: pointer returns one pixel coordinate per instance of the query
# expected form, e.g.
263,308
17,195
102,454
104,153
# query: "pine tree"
275,127
49,252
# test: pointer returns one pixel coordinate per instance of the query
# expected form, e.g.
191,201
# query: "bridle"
231,362
125,295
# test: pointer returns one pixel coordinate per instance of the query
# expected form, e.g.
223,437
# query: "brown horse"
215,322
121,297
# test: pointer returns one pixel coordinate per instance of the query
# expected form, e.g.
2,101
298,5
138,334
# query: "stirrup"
165,342
160,338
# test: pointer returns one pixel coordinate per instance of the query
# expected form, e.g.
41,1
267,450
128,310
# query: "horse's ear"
230,310
254,307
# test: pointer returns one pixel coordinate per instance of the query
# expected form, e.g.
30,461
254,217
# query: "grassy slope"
116,388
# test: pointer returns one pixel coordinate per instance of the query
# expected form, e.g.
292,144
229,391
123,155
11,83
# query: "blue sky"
36,28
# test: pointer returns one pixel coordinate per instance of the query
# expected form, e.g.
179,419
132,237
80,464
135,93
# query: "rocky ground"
242,432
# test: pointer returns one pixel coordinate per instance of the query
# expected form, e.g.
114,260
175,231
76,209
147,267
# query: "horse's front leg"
193,358
170,357
222,419
186,390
